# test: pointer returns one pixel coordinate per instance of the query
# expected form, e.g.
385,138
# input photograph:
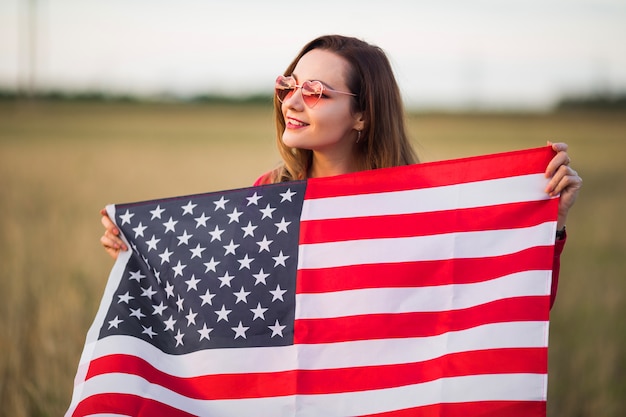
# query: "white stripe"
420,299
474,194
419,349
425,248
329,355
507,387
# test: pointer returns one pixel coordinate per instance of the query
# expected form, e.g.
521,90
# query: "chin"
292,142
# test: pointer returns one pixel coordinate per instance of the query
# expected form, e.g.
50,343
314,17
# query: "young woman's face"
330,125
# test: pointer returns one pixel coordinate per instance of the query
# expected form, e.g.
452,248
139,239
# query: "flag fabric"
421,290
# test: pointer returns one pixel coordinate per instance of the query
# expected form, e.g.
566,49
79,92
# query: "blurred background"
118,101
452,54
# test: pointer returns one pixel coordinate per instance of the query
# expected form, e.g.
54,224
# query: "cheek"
336,120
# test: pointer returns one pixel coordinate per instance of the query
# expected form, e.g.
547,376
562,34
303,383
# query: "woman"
338,110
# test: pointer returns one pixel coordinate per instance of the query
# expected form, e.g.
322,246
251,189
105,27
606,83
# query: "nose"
294,100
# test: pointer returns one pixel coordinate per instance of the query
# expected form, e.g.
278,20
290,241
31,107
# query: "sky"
445,53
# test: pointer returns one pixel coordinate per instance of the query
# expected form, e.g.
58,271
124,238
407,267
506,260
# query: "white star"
156,213
216,234
267,211
245,262
159,309
169,289
259,312
240,331
139,230
225,280
188,208
191,318
152,243
148,331
125,298
184,238
178,269
230,248
115,322
169,225
221,203
234,216
137,276
169,323
157,275
278,293
207,298
264,244
192,283
165,256
260,277
248,230
197,251
210,266
254,199
179,303
137,313
282,226
277,329
287,195
201,220
280,259
179,338
148,292
223,314
126,217
204,332
242,295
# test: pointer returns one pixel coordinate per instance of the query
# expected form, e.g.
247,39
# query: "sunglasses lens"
285,86
312,92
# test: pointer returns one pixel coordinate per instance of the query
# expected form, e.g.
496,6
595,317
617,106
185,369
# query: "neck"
325,166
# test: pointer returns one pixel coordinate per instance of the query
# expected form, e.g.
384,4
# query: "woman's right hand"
111,240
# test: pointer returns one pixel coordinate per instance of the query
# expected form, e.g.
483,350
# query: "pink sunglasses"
312,91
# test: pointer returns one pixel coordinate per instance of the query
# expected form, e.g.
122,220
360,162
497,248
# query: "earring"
358,136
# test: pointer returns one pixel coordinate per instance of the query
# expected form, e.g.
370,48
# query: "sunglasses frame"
310,95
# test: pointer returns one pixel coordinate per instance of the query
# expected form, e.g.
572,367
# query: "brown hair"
384,142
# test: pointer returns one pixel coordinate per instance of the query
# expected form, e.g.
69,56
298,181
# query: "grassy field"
60,163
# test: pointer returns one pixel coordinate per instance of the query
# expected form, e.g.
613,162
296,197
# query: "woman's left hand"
563,180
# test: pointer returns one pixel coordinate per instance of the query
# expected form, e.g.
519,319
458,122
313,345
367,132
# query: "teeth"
296,122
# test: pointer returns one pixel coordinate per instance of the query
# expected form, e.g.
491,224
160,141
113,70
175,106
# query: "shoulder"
264,179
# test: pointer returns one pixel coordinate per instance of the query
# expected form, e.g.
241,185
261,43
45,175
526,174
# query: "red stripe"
498,217
425,273
328,381
474,409
422,324
485,362
478,168
211,387
126,404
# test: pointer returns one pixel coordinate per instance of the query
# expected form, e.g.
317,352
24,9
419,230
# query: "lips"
295,123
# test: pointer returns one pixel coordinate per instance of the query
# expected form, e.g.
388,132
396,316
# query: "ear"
359,121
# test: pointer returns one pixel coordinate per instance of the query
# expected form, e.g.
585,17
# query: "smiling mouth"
295,123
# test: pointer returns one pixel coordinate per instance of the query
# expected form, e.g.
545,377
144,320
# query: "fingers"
564,178
558,146
560,159
111,240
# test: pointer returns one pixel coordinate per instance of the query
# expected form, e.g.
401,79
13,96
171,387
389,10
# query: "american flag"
421,290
